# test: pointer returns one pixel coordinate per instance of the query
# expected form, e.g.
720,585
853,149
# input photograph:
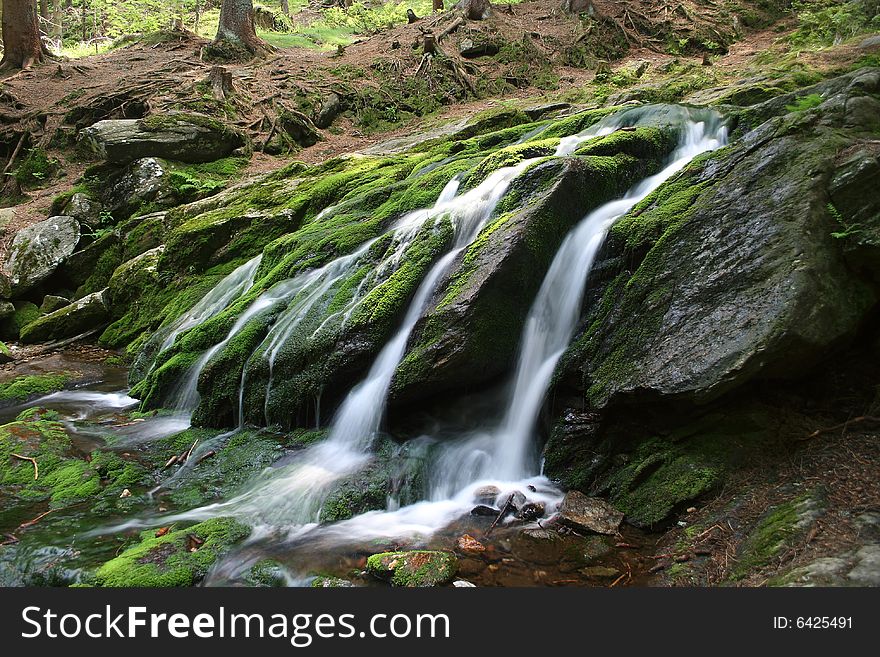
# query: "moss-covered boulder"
23,313
131,279
472,329
734,270
40,464
414,569
179,136
177,558
84,315
38,250
22,388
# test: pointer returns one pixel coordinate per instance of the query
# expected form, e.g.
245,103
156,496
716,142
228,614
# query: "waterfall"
554,314
216,300
504,453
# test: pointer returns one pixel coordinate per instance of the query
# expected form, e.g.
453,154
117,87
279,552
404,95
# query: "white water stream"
288,497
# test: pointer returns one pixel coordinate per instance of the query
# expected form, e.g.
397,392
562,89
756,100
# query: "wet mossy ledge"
301,218
180,557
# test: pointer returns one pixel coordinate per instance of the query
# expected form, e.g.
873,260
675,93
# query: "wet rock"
483,510
178,558
180,136
472,328
487,495
532,510
83,315
24,313
746,282
331,106
38,250
7,309
417,568
51,303
467,543
517,500
589,514
83,208
327,582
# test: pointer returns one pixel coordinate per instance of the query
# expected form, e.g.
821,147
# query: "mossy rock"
22,388
81,316
178,558
414,569
24,313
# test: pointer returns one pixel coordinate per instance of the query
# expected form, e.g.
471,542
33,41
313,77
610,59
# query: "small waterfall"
554,314
186,394
216,300
290,496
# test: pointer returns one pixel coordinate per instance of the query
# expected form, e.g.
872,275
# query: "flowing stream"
286,500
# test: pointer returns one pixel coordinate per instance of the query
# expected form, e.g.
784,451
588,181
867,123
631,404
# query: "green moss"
25,313
175,559
805,103
511,156
61,479
776,530
24,387
416,568
36,169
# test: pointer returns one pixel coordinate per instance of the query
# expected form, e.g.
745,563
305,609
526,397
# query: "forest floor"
545,54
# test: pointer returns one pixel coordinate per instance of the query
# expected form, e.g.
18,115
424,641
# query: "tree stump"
411,16
438,5
430,43
221,82
475,10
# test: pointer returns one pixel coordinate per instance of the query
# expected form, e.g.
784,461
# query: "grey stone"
589,514
182,137
38,250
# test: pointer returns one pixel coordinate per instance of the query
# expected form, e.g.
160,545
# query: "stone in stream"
532,510
38,250
487,495
413,569
467,543
589,514
483,510
327,582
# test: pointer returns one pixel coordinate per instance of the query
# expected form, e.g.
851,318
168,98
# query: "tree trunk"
44,10
285,7
57,20
237,25
21,34
475,10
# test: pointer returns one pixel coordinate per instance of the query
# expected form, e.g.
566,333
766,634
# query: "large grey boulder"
739,269
38,250
81,316
181,136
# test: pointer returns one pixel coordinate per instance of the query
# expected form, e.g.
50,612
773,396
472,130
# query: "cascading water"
289,497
